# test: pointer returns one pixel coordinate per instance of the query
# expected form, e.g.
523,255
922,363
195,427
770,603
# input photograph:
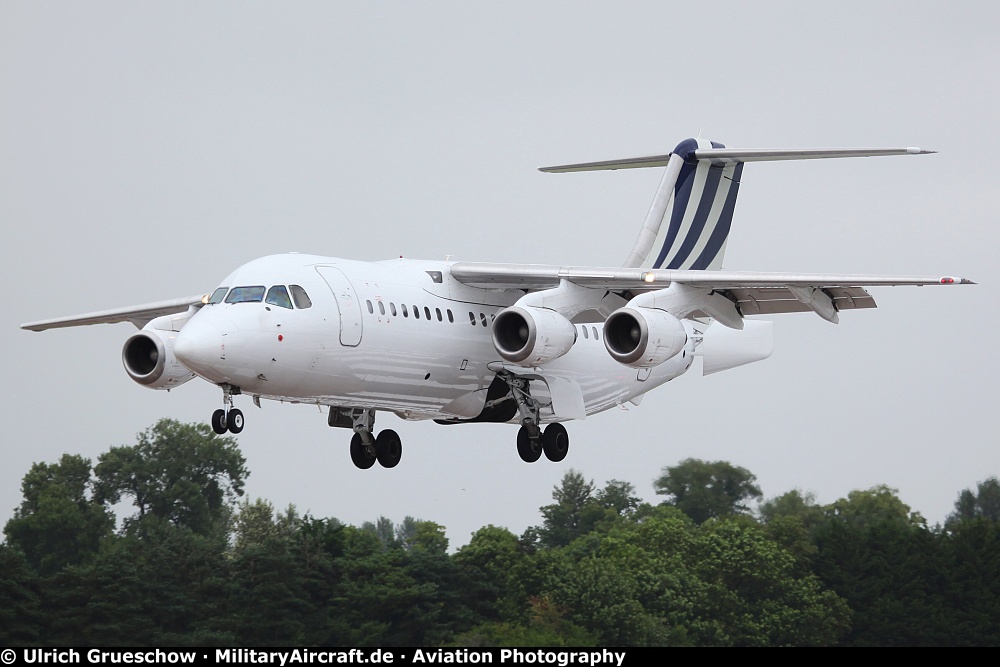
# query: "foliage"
195,567
182,473
983,503
707,489
58,523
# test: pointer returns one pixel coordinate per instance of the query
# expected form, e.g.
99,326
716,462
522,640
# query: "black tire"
360,455
234,421
388,448
219,421
556,442
529,450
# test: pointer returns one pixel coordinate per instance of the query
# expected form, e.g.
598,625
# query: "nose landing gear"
228,418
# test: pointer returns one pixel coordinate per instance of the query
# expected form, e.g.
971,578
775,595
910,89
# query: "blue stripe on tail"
721,231
700,217
702,223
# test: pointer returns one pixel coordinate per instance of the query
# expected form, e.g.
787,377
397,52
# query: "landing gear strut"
228,418
531,441
366,448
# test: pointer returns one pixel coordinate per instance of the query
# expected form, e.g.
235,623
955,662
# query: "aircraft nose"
199,343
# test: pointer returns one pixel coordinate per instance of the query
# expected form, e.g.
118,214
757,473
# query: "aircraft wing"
138,315
544,276
754,293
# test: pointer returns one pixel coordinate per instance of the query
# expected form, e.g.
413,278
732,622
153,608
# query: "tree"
879,556
879,506
618,496
20,608
572,515
707,489
984,503
182,473
59,523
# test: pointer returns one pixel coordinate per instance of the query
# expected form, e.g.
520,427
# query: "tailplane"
689,220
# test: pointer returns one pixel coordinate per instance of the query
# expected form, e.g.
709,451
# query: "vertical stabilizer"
689,220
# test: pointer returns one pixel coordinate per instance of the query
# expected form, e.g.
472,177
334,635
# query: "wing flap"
773,300
138,315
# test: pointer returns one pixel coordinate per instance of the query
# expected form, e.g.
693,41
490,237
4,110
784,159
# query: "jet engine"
529,336
149,360
643,337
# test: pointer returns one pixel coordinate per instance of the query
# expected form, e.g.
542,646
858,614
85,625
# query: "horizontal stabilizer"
627,163
728,155
731,155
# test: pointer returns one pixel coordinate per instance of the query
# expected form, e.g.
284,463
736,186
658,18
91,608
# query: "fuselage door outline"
347,302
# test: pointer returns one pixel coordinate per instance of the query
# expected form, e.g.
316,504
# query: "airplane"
466,342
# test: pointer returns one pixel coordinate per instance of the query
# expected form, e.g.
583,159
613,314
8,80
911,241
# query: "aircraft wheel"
556,442
388,448
359,453
529,450
234,421
219,421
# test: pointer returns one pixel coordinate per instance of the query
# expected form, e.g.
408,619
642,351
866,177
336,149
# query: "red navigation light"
947,281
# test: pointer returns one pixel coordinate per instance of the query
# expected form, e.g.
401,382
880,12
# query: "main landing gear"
228,418
366,448
531,440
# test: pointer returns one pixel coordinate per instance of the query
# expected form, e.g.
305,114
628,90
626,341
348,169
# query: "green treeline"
195,565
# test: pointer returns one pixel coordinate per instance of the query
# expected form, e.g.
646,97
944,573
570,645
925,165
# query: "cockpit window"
300,297
278,296
218,295
245,295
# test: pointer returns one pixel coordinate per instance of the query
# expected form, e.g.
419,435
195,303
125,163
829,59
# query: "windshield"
218,295
278,296
246,294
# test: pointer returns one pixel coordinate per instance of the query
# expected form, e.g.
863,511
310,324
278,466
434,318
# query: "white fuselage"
366,341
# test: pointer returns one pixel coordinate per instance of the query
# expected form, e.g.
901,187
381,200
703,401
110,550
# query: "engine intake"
643,337
530,336
149,359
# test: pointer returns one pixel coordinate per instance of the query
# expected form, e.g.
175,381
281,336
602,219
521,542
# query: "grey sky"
147,149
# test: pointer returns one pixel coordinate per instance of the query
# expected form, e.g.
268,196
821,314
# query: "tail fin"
688,222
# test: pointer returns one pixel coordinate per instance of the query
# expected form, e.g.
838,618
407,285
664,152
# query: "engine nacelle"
529,336
643,337
149,360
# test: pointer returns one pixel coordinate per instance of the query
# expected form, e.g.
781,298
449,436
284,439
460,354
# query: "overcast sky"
148,149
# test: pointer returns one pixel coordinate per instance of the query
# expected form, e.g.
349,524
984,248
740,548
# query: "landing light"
947,281
648,277
204,300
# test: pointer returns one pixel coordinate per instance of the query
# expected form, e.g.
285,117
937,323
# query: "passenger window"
300,297
427,312
437,311
451,318
416,313
595,333
585,332
482,316
472,318
405,313
371,311
392,308
381,308
218,295
246,294
278,296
